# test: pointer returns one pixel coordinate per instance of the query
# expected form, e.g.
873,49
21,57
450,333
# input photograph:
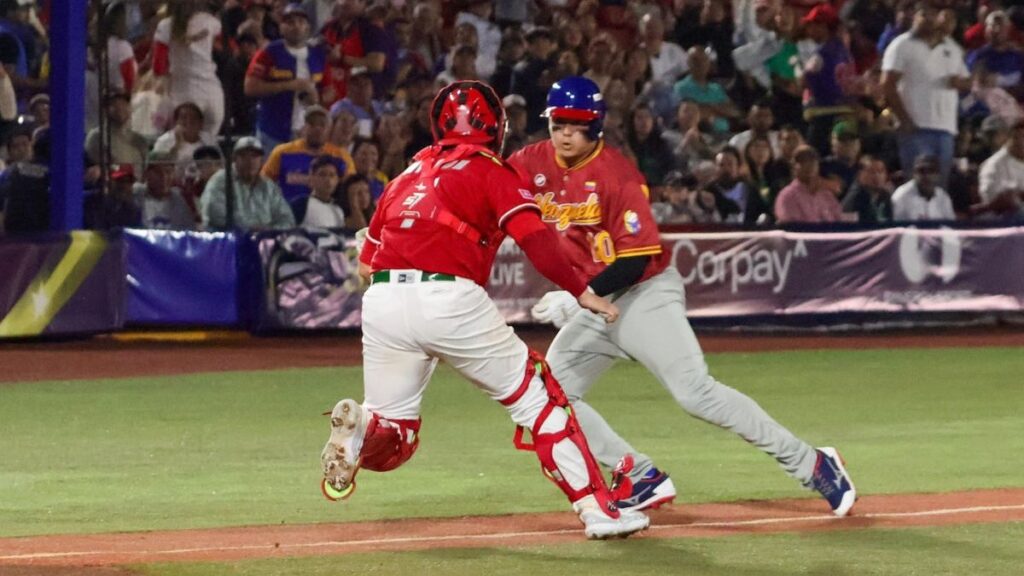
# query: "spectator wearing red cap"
923,70
827,76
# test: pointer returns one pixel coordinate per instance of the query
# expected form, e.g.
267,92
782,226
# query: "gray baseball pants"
654,331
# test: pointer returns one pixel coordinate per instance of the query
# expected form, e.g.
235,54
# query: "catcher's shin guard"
558,412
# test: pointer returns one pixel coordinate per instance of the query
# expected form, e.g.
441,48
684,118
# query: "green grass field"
243,448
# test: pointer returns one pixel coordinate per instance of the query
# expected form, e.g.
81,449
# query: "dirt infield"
106,357
39,555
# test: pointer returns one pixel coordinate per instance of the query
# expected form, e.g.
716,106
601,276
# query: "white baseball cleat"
598,525
340,457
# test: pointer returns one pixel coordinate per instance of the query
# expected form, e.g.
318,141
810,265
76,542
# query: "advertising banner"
310,277
61,284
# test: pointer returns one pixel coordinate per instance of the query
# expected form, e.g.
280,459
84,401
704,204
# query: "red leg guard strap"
389,443
544,443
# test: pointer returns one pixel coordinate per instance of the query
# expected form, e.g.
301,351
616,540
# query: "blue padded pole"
67,124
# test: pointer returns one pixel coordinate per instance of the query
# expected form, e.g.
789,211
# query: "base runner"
596,201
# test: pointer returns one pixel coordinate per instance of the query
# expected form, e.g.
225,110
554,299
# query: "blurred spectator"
766,177
232,66
206,161
406,63
707,24
730,185
183,53
284,77
709,95
668,61
352,41
922,75
806,199
18,146
185,138
366,154
1001,179
826,75
903,16
392,135
922,198
783,68
478,14
8,98
420,135
25,192
359,102
689,140
512,50
531,77
682,202
463,67
598,64
122,67
425,37
126,145
998,56
870,196
258,203
319,12
321,210
117,208
17,47
843,162
992,97
760,120
288,164
758,42
654,157
515,135
162,205
39,111
354,199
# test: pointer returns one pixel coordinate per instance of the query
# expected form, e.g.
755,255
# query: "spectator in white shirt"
321,210
922,198
668,59
923,71
478,13
760,119
183,52
185,138
1001,179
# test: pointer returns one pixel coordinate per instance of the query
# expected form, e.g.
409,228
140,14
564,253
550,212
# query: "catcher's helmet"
468,112
577,99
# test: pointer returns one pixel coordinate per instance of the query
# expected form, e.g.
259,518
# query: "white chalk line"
504,535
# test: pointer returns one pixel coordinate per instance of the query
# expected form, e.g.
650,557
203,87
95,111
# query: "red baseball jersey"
599,207
417,223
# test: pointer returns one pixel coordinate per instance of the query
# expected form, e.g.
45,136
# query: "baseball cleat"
833,482
598,525
652,491
340,457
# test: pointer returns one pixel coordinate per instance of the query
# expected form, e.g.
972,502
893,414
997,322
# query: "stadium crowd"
749,112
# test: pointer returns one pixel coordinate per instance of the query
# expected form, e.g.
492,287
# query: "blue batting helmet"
578,99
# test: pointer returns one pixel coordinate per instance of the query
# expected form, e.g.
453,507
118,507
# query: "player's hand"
558,308
599,305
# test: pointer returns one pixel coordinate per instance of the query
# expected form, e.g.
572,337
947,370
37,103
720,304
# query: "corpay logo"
738,266
916,255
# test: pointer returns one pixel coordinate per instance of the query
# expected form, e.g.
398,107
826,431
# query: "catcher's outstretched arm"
541,246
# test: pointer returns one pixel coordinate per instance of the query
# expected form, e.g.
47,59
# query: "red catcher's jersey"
599,207
467,182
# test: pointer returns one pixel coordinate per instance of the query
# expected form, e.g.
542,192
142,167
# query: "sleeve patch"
632,221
